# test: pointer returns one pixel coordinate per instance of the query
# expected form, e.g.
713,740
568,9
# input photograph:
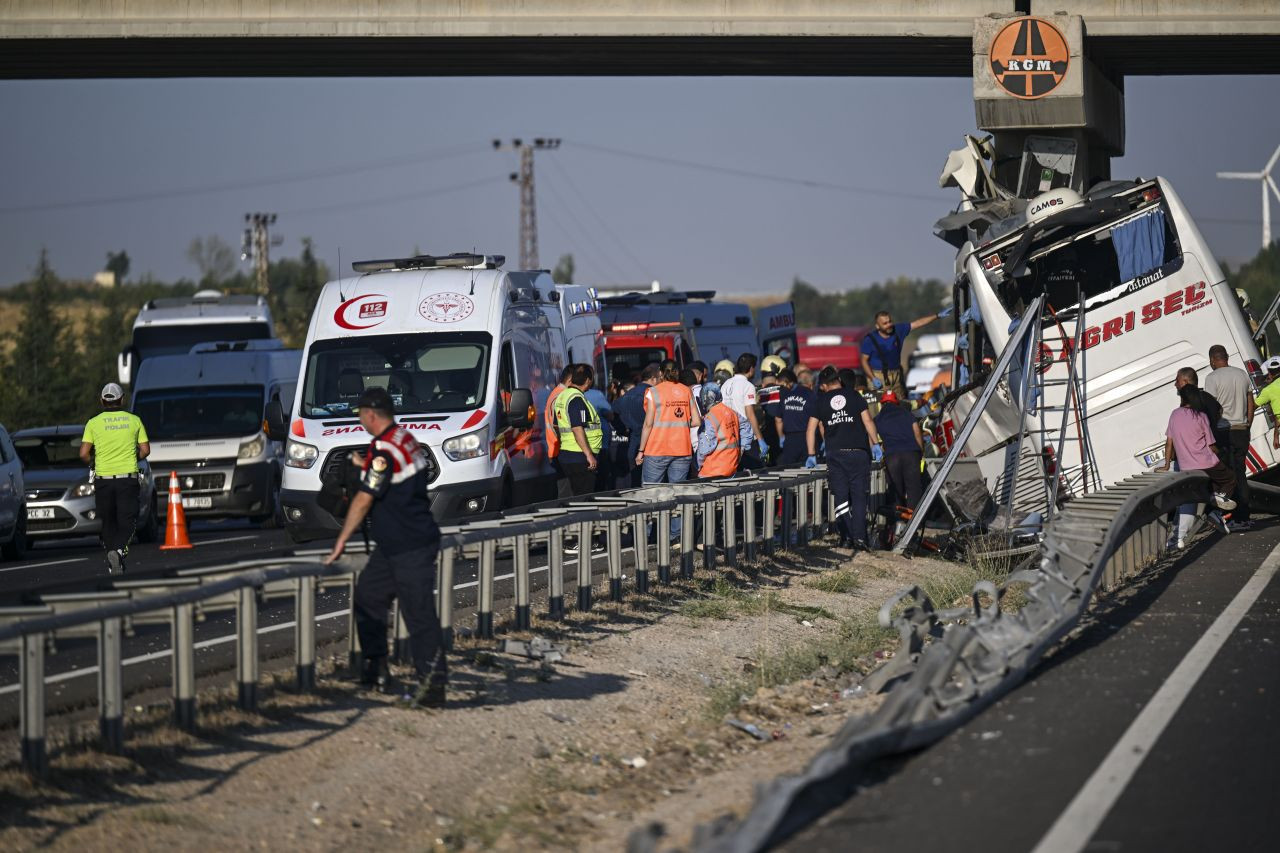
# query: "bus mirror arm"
277,423
520,411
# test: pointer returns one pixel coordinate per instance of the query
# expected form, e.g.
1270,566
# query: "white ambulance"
1155,301
468,352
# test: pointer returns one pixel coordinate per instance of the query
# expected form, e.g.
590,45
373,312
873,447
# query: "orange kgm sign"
1029,58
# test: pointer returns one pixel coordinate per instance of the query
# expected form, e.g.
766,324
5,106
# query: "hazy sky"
377,167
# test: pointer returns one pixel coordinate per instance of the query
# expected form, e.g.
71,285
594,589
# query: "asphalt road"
1140,735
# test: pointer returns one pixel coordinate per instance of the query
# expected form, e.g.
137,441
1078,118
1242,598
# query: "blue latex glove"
876,383
811,462
877,453
946,312
762,447
782,441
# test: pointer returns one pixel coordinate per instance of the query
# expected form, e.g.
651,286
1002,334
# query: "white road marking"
42,565
150,656
1077,824
220,541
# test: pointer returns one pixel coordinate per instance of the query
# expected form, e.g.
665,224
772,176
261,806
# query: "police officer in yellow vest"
112,444
580,431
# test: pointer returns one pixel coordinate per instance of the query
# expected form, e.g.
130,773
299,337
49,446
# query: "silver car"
59,493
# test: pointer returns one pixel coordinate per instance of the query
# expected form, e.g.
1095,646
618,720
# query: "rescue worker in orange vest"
553,435
669,412
718,449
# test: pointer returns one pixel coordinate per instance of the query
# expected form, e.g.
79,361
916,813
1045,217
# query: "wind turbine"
1265,179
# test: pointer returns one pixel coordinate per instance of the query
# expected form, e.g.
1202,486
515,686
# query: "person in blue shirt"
903,448
792,419
605,476
882,350
629,409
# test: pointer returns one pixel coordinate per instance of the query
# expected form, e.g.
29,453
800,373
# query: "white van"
204,415
172,326
469,353
1152,305
932,354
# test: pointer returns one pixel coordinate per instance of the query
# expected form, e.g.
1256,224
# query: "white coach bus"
468,352
1155,301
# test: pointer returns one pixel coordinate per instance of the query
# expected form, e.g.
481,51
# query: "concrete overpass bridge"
229,38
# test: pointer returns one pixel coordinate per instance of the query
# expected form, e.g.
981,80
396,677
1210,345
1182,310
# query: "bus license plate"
197,503
40,512
1154,458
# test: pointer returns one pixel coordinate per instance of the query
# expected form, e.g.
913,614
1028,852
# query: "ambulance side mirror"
277,423
520,411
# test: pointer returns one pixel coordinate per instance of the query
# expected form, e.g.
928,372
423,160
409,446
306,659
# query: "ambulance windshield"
425,373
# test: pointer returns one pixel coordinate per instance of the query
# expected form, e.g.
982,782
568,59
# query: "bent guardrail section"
940,685
772,509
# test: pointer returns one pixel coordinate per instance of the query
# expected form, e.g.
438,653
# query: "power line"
294,177
595,252
760,176
392,199
641,266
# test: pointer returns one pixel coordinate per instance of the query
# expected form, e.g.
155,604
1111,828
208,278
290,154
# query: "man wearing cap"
796,407
393,486
113,442
1270,396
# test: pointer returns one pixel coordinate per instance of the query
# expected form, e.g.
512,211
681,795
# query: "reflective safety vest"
569,441
723,461
549,423
669,432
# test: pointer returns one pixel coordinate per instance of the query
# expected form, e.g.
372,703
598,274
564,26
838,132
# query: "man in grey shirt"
1230,386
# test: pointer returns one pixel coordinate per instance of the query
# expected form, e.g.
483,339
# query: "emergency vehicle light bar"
641,327
458,260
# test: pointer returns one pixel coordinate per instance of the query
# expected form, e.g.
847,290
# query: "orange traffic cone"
175,534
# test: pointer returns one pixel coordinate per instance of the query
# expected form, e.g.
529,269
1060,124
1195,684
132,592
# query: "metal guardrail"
782,506
939,685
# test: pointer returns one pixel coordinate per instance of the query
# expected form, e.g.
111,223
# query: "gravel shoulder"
627,730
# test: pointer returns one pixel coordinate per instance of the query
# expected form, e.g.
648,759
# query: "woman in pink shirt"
1189,440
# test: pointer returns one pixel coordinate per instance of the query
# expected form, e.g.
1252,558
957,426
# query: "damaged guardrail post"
110,685
247,647
34,758
304,633
662,532
614,537
484,609
353,636
749,526
819,507
555,566
184,666
640,544
524,619
444,595
686,540
400,647
584,566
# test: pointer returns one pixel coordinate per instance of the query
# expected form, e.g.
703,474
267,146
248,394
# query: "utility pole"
254,243
528,200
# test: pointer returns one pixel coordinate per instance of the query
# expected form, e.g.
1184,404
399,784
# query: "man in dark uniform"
850,434
794,409
393,485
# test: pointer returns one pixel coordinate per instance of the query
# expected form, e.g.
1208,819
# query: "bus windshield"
1103,261
423,373
179,339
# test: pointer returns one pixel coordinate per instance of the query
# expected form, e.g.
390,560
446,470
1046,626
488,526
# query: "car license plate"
1154,458
197,503
40,512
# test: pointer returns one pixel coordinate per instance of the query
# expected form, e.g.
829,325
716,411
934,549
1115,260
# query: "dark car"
59,493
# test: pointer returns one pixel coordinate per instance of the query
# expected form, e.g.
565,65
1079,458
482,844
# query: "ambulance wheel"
505,498
270,519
